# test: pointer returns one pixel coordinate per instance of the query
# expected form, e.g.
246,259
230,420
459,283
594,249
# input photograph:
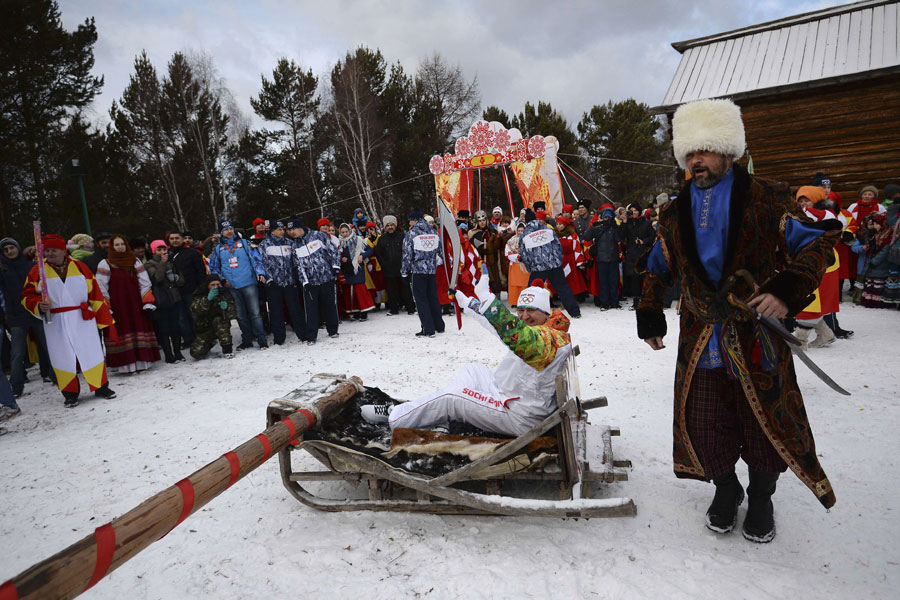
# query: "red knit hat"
258,221
322,222
568,208
51,240
541,215
371,225
564,221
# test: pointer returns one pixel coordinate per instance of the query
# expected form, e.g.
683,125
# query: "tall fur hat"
712,125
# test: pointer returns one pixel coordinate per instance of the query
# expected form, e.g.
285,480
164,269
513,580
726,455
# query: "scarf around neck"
121,260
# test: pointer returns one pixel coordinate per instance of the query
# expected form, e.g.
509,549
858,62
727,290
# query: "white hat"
535,296
429,219
497,209
711,125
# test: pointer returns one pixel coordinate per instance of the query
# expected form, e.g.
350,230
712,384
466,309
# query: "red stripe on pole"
310,418
292,429
267,446
8,591
235,463
105,537
187,499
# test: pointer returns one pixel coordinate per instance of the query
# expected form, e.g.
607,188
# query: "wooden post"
79,567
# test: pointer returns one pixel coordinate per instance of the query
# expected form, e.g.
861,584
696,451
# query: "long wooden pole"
79,567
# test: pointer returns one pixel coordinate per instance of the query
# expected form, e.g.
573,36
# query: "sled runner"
543,472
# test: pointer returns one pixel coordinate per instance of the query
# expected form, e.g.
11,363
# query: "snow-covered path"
66,472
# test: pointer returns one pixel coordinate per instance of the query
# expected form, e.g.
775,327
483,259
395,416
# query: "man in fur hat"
515,396
736,393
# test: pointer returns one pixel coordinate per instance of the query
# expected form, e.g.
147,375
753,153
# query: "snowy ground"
66,472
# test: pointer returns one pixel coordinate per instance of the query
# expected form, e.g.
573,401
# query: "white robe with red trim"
72,341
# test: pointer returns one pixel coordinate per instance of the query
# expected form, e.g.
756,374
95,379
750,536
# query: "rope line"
581,178
361,195
622,160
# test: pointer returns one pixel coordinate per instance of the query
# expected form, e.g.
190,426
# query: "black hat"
529,215
819,178
539,205
294,222
415,215
138,242
585,202
276,223
463,214
103,235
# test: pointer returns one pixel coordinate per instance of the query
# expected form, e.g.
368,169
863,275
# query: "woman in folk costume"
355,298
126,285
809,201
77,309
442,275
848,236
470,265
573,255
878,246
866,205
374,274
518,275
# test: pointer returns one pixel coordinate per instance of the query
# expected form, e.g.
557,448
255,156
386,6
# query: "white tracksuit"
509,400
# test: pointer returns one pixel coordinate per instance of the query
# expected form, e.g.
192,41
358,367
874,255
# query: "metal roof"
834,44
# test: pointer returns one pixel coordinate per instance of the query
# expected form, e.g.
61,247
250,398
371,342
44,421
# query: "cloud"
573,54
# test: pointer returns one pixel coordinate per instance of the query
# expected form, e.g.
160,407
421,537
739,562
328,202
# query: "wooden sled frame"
438,495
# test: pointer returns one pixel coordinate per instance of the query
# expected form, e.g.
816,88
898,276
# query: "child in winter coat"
213,309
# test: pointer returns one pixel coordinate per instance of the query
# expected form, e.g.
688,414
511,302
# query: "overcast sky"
574,54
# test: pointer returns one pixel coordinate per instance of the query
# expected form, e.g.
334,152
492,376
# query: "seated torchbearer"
519,393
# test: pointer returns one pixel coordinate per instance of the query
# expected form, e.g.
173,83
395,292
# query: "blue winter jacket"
421,250
316,258
236,262
277,256
539,248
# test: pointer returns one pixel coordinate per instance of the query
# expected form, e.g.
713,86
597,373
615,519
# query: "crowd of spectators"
176,293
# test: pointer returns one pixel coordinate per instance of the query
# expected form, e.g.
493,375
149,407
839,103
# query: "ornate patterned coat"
758,241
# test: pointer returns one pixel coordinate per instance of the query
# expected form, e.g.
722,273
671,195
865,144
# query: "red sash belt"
86,313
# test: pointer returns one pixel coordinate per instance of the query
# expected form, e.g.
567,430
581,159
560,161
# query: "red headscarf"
884,237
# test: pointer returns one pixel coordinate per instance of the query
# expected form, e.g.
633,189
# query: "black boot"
176,348
104,392
71,399
759,524
722,513
166,344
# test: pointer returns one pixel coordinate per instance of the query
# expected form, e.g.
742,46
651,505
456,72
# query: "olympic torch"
39,251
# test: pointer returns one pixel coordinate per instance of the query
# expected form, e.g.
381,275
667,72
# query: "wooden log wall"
849,131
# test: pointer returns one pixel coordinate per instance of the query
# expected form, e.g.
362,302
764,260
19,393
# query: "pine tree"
45,78
625,131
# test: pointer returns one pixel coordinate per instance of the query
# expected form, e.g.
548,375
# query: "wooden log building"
818,92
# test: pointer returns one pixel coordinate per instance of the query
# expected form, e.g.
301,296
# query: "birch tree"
357,84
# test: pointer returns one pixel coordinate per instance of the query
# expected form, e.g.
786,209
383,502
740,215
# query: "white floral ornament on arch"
493,141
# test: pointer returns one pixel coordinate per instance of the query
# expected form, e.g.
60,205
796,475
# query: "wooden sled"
467,490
